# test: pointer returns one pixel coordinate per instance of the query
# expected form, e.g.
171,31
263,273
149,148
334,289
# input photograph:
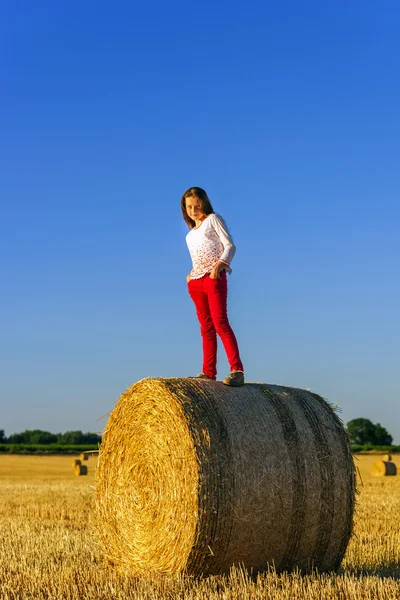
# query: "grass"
48,550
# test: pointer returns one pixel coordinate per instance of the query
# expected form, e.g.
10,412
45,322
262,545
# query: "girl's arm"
229,247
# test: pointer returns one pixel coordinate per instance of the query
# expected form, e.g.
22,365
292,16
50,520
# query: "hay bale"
383,468
81,470
75,462
196,476
84,456
387,457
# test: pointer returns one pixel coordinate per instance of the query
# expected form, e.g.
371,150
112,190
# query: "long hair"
201,194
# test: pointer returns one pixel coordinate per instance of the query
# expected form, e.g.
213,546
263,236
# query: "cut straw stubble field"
49,549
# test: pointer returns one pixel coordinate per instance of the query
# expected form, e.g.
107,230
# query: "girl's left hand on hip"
216,270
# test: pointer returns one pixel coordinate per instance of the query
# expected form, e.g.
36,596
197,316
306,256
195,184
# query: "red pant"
210,296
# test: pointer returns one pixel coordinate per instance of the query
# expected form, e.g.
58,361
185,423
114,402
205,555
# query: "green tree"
33,436
3,438
363,431
77,437
37,436
382,436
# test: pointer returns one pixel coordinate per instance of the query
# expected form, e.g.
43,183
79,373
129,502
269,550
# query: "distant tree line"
363,432
37,436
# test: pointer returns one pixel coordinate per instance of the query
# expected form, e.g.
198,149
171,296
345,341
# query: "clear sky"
287,113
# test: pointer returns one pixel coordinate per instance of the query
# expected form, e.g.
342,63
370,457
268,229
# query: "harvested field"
49,551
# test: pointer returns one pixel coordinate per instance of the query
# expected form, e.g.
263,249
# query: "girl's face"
194,208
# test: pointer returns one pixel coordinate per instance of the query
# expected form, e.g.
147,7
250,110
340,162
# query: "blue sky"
286,113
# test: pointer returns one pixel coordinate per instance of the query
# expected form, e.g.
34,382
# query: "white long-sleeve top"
209,243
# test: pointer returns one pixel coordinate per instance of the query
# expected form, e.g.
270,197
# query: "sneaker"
201,376
235,378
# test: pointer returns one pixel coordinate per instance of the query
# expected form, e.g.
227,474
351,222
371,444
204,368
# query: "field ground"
49,549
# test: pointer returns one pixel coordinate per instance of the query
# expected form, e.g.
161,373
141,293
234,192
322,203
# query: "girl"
211,249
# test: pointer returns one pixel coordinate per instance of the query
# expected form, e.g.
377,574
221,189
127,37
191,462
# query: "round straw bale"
84,456
196,476
76,461
382,468
387,457
81,470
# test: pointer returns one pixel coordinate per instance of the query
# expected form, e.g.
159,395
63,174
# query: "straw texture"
383,468
196,476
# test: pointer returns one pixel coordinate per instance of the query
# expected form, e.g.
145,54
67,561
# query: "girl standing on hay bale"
211,249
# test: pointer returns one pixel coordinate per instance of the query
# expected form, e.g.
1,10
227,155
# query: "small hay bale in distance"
81,470
84,456
383,468
75,462
387,457
194,476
